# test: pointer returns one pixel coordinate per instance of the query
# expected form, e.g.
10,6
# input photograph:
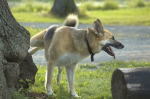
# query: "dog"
65,46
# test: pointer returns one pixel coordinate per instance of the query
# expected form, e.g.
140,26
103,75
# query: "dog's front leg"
48,78
70,77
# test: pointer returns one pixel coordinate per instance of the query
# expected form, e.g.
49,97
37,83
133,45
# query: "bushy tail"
71,20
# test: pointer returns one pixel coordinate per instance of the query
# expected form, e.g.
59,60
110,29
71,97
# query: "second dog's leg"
70,77
59,75
48,78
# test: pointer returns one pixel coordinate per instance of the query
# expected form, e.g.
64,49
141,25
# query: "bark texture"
14,45
131,83
64,7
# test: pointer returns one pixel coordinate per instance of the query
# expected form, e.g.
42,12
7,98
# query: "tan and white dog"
66,46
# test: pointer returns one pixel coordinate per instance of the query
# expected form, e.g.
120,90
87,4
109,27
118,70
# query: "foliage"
90,6
140,3
110,5
29,7
82,12
17,95
137,3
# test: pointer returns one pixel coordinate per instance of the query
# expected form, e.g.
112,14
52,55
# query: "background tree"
64,7
15,63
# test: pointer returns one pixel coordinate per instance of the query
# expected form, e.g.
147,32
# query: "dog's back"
37,41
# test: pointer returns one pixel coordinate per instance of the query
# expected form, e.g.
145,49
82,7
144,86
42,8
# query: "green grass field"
126,16
92,82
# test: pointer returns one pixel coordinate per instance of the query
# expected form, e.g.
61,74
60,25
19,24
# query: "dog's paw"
75,95
51,95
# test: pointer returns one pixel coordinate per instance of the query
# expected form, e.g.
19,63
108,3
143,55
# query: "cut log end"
131,83
118,85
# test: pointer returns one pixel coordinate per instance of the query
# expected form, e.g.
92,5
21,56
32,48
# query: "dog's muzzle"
116,44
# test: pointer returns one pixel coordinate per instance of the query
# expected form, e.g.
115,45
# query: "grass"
92,82
33,31
35,17
110,5
126,16
132,16
32,7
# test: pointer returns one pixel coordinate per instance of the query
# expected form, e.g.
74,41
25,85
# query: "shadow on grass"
62,93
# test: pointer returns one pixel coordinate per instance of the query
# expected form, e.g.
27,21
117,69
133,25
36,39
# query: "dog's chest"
68,59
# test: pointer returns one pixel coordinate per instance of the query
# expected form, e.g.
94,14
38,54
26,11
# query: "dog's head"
101,39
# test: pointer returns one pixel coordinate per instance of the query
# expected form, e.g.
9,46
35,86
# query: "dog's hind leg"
37,42
70,77
33,50
48,78
59,75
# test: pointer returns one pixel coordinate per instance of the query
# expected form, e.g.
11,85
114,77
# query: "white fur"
68,59
104,42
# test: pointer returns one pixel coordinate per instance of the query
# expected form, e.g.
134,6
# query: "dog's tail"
71,20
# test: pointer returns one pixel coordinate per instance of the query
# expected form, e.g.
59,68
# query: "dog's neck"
89,47
80,42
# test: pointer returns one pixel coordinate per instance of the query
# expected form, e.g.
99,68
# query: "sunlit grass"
35,17
90,83
33,31
132,16
32,7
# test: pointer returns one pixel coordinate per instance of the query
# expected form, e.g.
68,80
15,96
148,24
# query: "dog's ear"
98,26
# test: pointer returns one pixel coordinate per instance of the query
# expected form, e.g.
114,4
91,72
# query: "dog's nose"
118,45
121,46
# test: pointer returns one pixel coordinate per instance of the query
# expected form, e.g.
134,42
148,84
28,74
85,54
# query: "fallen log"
131,83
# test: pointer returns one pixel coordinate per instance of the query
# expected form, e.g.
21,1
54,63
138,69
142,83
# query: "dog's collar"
89,49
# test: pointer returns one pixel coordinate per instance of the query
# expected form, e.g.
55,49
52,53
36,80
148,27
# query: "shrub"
82,12
90,6
110,5
140,3
31,7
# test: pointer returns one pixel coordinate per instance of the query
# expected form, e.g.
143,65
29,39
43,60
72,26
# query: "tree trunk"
14,45
64,7
131,83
